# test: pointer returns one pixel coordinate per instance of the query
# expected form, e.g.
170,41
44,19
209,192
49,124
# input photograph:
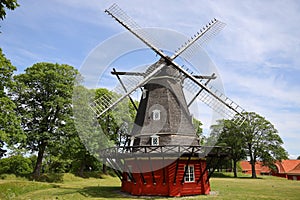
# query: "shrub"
17,165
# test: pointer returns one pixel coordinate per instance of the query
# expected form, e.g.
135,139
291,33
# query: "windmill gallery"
163,155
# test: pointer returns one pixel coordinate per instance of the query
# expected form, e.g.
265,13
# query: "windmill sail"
126,21
105,103
202,37
212,97
209,95
216,100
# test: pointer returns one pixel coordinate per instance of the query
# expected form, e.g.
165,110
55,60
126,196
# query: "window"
144,93
156,115
154,140
190,174
131,141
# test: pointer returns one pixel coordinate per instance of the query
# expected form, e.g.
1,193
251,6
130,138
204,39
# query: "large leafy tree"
262,141
10,132
256,138
43,95
229,135
7,4
9,124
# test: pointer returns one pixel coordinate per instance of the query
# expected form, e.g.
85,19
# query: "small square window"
154,140
156,115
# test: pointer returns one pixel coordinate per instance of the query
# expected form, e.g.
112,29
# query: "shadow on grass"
112,192
104,192
229,175
50,178
95,174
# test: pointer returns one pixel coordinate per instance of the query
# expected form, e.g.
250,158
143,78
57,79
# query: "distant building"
259,168
289,169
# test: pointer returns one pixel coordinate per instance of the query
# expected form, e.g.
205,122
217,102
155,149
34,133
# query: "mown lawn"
108,187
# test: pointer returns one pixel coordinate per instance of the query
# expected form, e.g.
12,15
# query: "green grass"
107,187
266,187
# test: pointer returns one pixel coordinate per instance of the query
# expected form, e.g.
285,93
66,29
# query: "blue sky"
257,54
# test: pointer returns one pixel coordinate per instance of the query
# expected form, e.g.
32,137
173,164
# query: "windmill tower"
163,156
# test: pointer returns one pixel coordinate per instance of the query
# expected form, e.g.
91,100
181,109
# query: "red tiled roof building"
289,169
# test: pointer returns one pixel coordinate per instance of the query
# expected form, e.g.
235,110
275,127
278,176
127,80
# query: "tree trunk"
234,169
39,161
81,169
252,161
104,168
253,169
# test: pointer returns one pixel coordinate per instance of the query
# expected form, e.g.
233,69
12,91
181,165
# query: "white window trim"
189,177
153,137
131,141
156,115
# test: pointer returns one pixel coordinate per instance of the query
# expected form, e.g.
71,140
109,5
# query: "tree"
10,132
197,125
229,135
81,159
9,4
298,158
261,141
117,123
93,138
43,95
17,165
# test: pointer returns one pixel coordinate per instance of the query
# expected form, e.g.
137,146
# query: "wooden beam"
214,168
127,73
139,167
115,168
152,172
202,173
187,165
213,76
131,100
194,98
176,170
164,169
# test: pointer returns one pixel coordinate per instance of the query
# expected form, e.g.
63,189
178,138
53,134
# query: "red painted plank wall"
168,188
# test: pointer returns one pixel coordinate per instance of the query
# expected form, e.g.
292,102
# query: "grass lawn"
108,187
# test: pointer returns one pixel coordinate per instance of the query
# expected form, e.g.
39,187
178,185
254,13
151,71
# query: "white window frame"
131,141
156,115
190,174
154,140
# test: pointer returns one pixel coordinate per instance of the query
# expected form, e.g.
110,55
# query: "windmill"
163,155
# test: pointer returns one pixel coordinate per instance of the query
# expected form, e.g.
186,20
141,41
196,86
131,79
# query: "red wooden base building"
164,170
168,180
